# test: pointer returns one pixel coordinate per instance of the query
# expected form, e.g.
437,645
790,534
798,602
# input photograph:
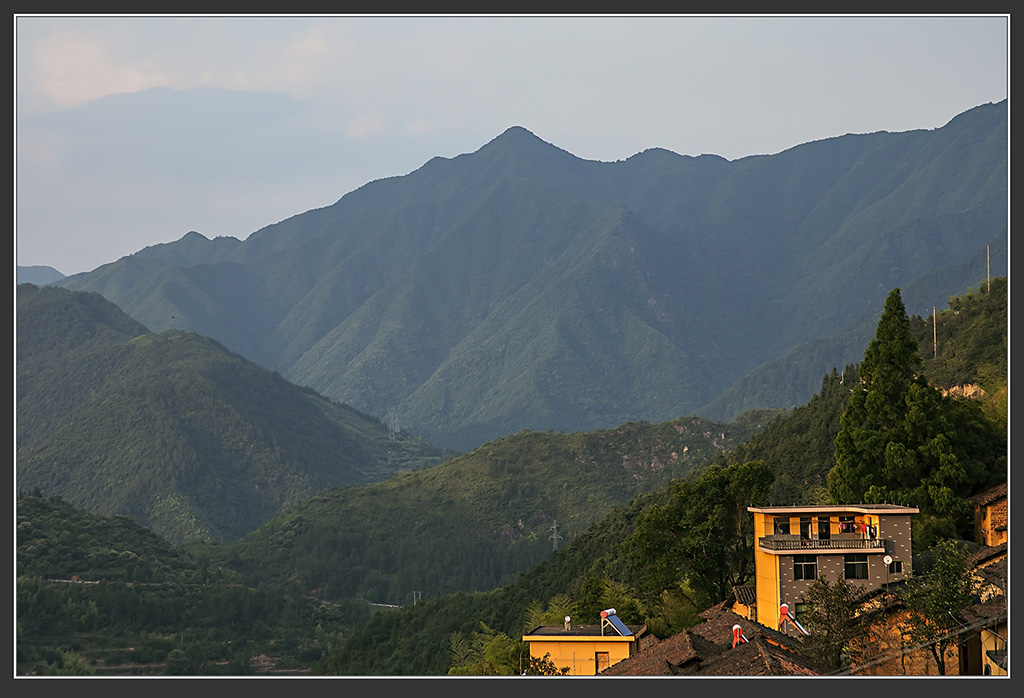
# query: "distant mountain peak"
517,132
517,136
520,141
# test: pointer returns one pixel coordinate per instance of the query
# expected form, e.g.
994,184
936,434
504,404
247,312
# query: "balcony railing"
797,543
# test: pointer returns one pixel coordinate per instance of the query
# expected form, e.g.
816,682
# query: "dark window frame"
805,567
855,566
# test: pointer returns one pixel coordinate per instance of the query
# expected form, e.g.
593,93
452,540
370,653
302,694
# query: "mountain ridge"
174,430
383,299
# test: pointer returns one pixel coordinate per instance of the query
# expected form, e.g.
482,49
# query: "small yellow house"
585,649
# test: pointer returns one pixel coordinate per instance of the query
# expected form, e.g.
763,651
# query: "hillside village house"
985,652
990,518
586,649
866,544
885,649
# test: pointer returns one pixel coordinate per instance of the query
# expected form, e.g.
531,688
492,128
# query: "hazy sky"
309,108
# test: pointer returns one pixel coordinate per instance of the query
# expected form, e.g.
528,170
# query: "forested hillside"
520,287
967,353
157,608
476,521
173,430
638,558
107,597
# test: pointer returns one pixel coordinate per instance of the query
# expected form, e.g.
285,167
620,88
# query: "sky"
131,131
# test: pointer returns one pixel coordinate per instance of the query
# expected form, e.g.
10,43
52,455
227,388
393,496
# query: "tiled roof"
990,495
986,614
718,629
666,657
986,554
707,649
995,573
746,594
758,657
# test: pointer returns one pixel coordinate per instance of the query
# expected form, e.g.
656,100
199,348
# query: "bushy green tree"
704,534
938,598
831,619
487,652
592,595
532,666
903,441
71,664
676,611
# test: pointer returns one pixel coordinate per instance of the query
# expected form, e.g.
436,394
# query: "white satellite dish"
887,559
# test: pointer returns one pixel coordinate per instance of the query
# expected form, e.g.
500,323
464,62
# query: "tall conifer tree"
902,441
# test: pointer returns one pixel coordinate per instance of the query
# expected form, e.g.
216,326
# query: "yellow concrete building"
585,649
866,544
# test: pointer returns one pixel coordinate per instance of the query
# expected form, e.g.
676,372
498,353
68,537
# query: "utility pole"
935,345
988,271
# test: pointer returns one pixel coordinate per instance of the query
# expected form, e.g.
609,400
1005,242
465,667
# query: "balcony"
791,542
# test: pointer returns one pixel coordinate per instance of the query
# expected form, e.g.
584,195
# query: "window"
805,567
896,567
781,525
824,528
601,660
805,526
856,566
846,524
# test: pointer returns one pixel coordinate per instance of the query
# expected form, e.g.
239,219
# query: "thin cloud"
310,108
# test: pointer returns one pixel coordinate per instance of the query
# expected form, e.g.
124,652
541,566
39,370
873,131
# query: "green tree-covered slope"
425,518
173,430
475,521
632,569
107,597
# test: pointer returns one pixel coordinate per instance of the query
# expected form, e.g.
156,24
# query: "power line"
879,659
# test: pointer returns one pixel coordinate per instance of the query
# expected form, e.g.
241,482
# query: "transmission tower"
554,536
394,426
